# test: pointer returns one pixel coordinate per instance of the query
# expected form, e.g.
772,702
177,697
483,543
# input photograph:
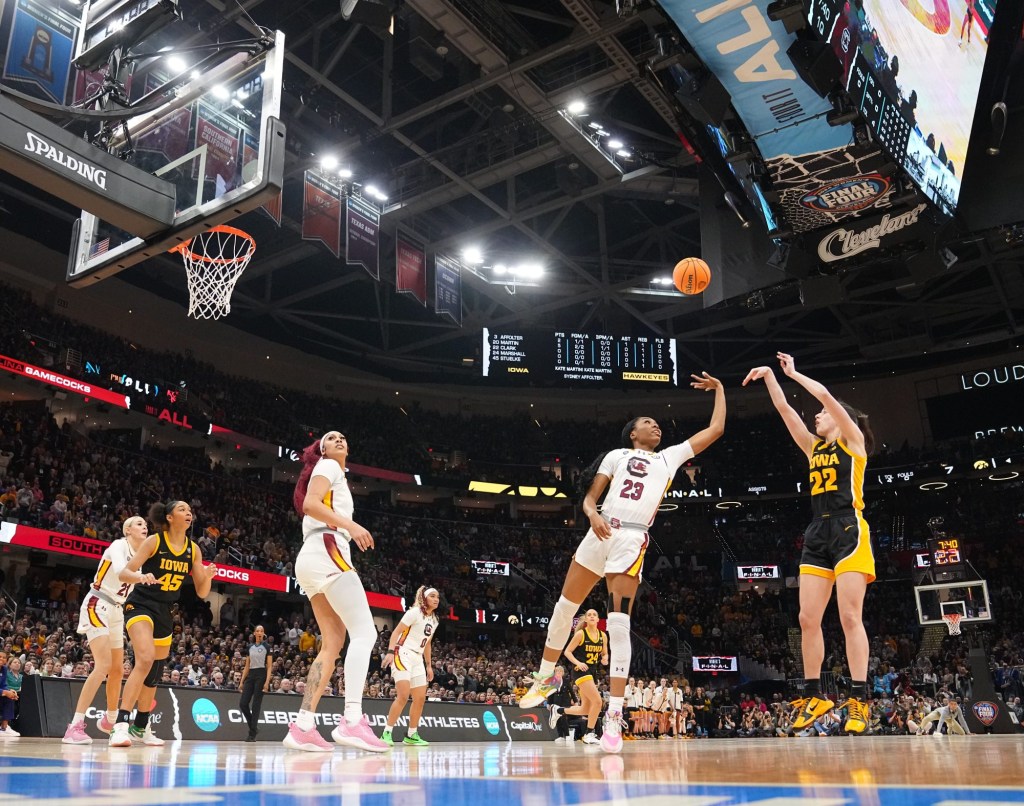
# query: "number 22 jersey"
639,480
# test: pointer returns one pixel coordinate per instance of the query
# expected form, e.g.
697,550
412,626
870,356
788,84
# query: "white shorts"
324,556
622,553
409,666
99,618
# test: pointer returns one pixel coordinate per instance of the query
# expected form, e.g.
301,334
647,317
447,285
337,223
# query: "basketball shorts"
836,544
622,553
156,613
324,557
409,666
579,677
98,618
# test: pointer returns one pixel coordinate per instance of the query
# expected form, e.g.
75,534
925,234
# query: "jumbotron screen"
913,68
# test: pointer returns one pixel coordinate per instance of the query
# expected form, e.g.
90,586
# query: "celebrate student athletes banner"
321,211
448,287
411,269
362,235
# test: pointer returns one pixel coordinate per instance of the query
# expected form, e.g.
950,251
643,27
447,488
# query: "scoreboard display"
567,358
715,663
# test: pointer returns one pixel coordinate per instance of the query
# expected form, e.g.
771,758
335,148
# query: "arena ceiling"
456,114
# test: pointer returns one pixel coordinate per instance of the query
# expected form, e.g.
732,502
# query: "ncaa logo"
491,723
205,715
986,712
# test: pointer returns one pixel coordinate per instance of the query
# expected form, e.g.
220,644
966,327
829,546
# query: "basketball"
691,275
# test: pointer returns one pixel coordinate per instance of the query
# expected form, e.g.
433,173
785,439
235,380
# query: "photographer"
726,726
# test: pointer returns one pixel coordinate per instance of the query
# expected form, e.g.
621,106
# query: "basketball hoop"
214,260
952,622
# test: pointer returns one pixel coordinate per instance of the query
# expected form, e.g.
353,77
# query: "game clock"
946,552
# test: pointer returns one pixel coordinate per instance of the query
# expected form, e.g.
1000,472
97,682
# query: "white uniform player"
325,551
415,631
639,480
102,611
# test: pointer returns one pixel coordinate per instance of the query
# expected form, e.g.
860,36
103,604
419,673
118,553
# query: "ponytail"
586,476
627,440
861,419
310,456
158,513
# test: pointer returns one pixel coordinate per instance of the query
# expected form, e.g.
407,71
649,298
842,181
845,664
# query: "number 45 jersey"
170,569
639,480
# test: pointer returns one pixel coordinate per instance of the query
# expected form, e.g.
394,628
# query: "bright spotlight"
472,255
377,194
177,64
329,163
345,173
220,92
615,144
500,268
576,107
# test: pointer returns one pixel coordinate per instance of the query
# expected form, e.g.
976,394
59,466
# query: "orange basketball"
691,275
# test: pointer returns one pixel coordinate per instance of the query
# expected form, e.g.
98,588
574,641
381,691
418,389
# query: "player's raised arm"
702,439
794,422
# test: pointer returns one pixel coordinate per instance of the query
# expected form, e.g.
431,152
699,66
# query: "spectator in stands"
8,701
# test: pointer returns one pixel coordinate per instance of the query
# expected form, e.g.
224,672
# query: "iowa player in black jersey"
161,565
837,544
587,651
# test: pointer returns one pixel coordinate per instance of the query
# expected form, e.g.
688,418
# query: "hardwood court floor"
877,771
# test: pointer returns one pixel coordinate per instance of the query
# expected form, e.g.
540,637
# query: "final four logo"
986,712
848,195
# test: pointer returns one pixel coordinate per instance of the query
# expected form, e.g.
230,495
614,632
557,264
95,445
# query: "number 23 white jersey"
639,480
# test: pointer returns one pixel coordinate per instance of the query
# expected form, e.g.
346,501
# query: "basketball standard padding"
691,275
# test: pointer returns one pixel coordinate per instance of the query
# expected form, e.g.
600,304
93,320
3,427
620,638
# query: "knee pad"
561,623
621,648
155,673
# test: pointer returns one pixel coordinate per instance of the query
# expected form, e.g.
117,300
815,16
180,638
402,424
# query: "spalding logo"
847,196
205,715
986,712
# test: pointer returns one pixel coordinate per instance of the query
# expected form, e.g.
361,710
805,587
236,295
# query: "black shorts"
582,677
834,544
158,614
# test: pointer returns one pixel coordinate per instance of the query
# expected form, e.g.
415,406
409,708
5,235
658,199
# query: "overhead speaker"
816,64
704,98
817,292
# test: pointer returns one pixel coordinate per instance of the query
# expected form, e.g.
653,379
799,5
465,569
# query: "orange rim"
185,246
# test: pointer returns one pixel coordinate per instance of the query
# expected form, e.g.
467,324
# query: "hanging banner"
362,235
38,59
220,137
250,148
448,287
411,269
747,52
321,211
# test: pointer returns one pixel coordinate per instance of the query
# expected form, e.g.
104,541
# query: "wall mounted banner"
411,269
747,52
321,211
876,232
362,235
448,287
221,138
38,59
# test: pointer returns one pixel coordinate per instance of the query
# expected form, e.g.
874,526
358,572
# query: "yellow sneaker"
858,716
813,708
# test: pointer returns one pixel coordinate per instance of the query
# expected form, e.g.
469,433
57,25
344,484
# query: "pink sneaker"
75,734
359,735
611,738
308,740
105,724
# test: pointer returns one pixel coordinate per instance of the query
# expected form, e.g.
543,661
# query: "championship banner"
221,140
189,713
448,288
411,269
747,52
362,235
39,49
321,211
250,147
63,382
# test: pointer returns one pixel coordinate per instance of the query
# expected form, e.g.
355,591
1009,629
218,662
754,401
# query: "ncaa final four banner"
192,714
40,42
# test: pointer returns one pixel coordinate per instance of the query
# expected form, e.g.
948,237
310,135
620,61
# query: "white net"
952,623
214,260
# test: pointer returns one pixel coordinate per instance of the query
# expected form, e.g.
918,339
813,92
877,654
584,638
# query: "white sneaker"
558,740
9,733
591,738
553,716
150,739
119,736
611,737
